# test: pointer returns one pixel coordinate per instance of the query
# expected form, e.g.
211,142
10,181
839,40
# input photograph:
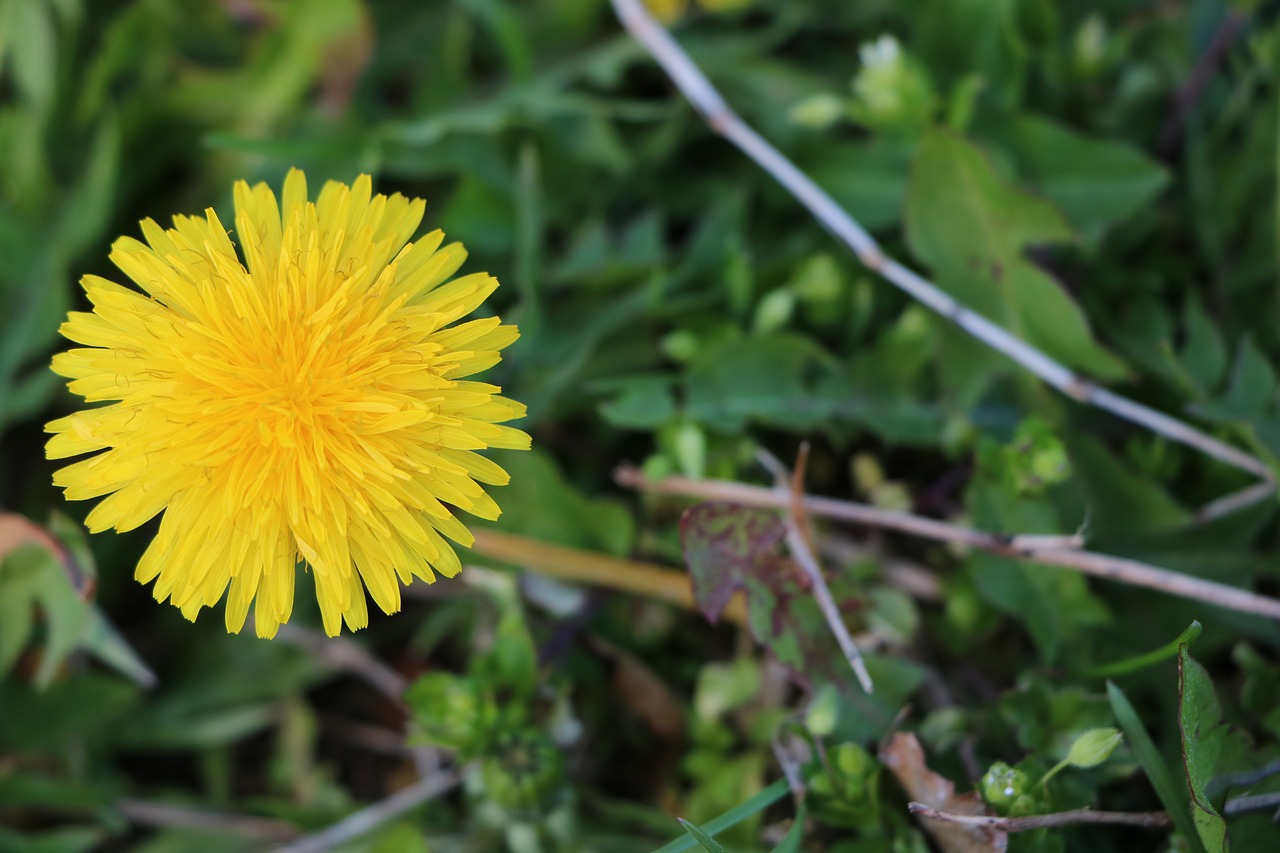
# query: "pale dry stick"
1228,504
172,816
370,818
698,90
912,577
1251,803
1120,569
340,653
1145,820
798,544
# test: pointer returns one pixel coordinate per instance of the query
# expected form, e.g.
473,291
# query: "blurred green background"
1098,177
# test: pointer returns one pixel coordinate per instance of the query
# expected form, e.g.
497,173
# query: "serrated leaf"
973,229
1209,747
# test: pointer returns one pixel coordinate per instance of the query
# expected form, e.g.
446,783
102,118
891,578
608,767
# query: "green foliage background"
1098,177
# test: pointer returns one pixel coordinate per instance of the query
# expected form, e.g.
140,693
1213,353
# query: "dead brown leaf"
643,691
904,757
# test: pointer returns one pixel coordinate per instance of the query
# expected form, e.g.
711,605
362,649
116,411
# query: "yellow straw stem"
572,564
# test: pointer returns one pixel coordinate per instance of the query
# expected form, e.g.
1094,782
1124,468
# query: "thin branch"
168,815
343,654
1251,803
1145,820
707,101
370,818
801,550
1234,502
912,577
1242,778
1120,569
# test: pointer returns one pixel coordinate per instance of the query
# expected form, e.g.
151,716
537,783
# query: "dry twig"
1146,820
798,541
370,818
1115,568
172,816
346,655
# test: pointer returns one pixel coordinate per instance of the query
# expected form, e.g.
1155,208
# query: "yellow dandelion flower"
306,404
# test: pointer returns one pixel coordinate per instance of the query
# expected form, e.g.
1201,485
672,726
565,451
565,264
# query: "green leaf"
87,211
973,229
34,46
102,640
400,837
1095,183
1209,747
1250,392
1057,607
72,839
1204,355
45,719
541,503
449,711
640,403
1171,794
32,575
782,380
1121,501
24,788
706,842
867,177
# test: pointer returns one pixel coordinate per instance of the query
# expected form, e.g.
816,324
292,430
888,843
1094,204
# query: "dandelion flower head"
305,403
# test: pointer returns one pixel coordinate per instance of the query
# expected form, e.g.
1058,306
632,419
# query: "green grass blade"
706,842
734,816
1171,795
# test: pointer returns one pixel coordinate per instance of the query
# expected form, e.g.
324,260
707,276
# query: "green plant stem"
1128,665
